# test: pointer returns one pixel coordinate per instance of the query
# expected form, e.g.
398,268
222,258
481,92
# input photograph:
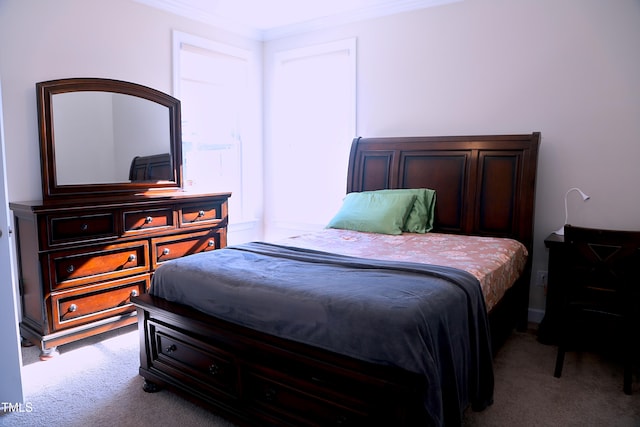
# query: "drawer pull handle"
134,293
84,227
131,258
214,369
70,268
171,349
73,308
211,243
270,394
166,251
200,214
148,220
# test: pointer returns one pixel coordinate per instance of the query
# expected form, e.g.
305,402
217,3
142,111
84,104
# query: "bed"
297,341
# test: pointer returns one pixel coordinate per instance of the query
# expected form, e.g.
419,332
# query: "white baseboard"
535,315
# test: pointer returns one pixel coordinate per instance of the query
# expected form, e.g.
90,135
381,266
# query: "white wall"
570,69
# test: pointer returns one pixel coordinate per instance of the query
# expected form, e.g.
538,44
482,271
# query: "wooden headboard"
485,185
151,168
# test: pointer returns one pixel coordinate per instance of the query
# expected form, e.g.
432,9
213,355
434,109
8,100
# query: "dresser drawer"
91,303
171,247
148,220
96,263
78,228
202,213
198,362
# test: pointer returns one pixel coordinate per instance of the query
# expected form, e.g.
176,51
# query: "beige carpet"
589,393
95,383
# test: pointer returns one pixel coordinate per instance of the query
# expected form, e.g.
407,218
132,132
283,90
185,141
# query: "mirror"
101,136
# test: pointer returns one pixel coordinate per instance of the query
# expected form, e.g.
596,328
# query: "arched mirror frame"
51,189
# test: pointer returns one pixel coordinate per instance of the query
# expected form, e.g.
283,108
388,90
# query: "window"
219,104
311,117
309,114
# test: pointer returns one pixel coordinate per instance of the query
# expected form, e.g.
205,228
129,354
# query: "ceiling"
269,19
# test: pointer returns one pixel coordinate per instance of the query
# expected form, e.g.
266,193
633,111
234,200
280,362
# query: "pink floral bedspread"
496,262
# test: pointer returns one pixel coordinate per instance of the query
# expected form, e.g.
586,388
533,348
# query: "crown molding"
183,8
362,14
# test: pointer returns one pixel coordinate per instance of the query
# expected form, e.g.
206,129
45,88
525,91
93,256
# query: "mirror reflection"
105,137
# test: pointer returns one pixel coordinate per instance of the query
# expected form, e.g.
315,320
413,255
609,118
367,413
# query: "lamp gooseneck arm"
560,231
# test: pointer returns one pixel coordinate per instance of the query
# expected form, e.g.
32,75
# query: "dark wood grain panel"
77,266
165,249
212,212
444,172
95,302
81,228
375,170
499,182
148,219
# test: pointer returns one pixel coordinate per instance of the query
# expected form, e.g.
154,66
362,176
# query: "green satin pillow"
374,212
420,219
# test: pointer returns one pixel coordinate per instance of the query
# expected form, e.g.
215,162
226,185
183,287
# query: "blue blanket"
422,318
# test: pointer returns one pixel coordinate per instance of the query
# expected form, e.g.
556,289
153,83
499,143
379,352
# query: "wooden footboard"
253,378
257,379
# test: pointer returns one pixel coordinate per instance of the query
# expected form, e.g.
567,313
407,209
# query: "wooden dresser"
81,260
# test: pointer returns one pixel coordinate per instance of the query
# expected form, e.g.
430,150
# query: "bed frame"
485,186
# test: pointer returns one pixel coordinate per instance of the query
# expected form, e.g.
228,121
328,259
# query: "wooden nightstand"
548,328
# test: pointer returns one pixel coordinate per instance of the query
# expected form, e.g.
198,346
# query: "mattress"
495,262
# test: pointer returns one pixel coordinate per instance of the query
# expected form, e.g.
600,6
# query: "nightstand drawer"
148,220
92,303
167,248
202,213
96,263
77,228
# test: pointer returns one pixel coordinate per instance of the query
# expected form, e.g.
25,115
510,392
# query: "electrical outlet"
541,278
